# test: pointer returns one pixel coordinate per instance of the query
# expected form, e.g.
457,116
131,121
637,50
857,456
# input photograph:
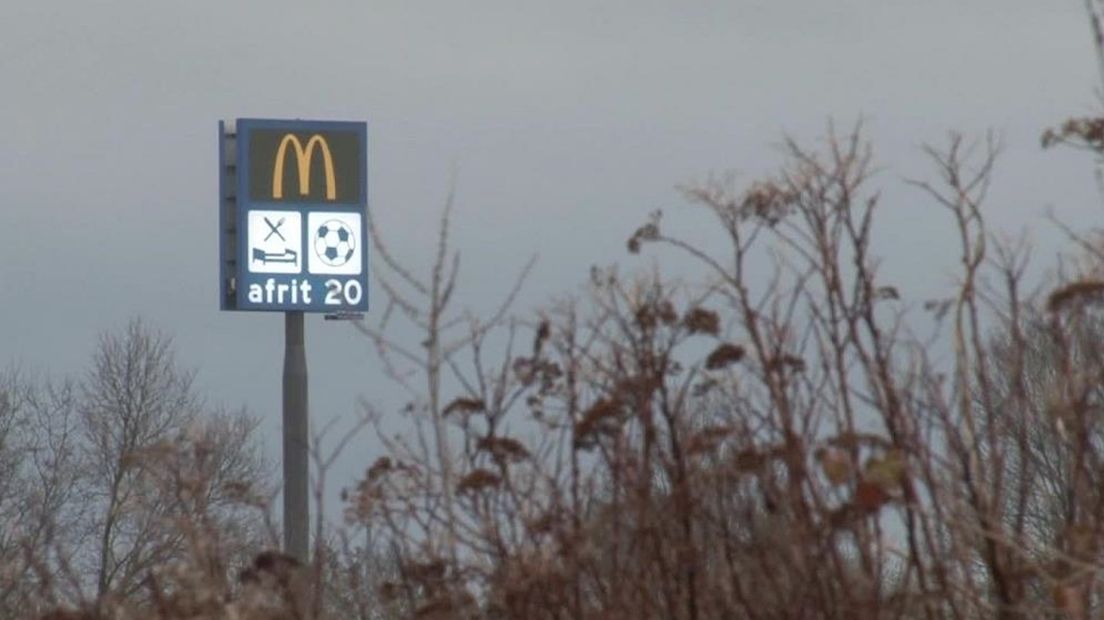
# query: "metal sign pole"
296,441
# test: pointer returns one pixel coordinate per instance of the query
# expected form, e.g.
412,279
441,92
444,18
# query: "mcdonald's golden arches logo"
303,157
308,162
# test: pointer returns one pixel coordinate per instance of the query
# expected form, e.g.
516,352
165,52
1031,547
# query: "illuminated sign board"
293,231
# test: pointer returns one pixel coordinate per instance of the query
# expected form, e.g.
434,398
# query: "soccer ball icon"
334,243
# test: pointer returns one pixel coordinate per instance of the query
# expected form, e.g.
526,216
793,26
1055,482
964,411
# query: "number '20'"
338,294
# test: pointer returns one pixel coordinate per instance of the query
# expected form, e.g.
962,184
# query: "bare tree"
12,507
41,506
105,482
423,369
133,396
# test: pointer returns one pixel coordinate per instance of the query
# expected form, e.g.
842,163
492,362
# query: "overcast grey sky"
565,123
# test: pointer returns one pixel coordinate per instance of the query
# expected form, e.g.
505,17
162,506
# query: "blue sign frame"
327,271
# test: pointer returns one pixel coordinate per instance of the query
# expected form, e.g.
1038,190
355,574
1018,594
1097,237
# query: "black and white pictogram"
335,243
275,242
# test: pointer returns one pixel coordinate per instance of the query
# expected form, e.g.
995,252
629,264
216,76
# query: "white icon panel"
334,243
275,242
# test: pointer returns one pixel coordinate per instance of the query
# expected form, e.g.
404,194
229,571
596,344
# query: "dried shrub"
478,480
724,355
1084,291
702,321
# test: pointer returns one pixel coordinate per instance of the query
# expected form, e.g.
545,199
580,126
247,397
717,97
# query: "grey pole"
296,446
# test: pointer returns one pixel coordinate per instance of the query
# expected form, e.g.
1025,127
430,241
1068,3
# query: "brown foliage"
1075,292
702,321
724,355
833,471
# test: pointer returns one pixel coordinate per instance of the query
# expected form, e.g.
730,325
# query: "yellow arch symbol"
303,161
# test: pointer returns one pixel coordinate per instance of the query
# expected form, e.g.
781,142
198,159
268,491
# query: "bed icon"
287,256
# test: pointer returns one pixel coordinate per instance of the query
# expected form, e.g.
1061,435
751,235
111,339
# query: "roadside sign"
293,227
